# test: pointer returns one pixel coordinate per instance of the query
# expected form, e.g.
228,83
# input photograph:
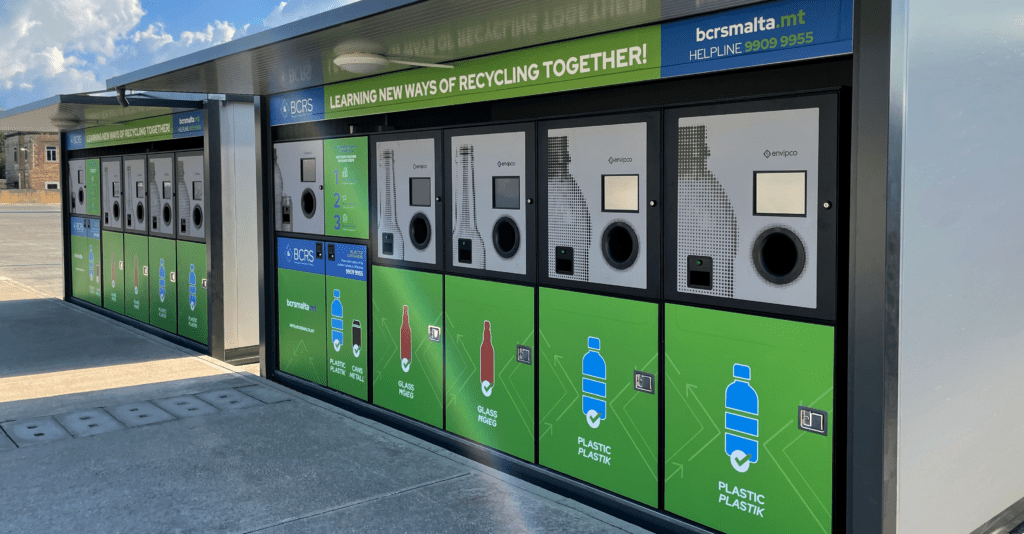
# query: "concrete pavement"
107,429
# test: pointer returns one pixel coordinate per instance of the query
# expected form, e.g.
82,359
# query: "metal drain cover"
34,431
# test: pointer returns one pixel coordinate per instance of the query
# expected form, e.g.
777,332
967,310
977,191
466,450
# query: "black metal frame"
827,239
653,120
528,235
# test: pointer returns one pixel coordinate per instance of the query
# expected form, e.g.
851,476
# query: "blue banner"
299,106
187,124
758,35
78,227
75,140
300,255
349,261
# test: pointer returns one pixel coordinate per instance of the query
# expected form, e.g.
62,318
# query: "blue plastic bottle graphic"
92,265
192,286
595,390
163,281
740,404
337,322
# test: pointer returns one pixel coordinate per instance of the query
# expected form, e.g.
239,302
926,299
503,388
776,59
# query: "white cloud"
287,12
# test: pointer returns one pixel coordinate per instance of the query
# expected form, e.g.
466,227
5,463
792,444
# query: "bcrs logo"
299,107
302,255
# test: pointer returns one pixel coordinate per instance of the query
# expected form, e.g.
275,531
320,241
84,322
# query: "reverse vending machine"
490,259
163,256
299,187
190,176
599,236
136,239
112,224
408,299
751,230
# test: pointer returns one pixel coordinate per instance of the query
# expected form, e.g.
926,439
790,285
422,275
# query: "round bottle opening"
308,203
419,231
117,211
81,196
620,245
506,237
140,212
167,214
197,217
779,256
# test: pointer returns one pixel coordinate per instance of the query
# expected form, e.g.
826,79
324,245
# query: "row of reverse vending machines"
138,238
643,301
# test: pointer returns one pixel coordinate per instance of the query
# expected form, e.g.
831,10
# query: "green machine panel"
113,262
93,188
163,284
346,312
347,188
408,366
86,261
748,421
598,404
136,277
489,347
192,310
302,345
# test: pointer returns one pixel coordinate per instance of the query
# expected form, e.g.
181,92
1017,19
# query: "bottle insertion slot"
563,261
699,271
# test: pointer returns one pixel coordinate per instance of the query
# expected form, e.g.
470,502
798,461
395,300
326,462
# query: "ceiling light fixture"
364,63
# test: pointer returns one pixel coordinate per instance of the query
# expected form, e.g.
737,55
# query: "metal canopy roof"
90,111
300,54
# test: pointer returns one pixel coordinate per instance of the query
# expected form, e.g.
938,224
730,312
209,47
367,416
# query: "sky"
50,47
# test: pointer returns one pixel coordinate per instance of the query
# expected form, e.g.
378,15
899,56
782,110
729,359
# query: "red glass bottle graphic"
406,334
487,362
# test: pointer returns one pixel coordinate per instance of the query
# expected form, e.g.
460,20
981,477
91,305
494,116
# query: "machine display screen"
506,192
621,192
116,187
308,170
197,190
79,176
780,193
419,191
168,191
140,189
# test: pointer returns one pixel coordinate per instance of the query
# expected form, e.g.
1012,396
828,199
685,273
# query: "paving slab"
35,431
185,406
464,504
265,394
229,399
5,443
139,414
88,422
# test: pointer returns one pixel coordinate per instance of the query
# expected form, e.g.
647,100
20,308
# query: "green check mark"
487,389
744,459
596,416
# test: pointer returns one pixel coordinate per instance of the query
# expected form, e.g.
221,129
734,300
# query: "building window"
52,185
51,153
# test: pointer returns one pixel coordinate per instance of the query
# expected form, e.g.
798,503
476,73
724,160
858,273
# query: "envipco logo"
619,160
779,153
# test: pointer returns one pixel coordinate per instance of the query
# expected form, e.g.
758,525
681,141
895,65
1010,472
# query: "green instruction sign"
408,366
598,403
620,57
302,347
163,286
113,271
93,188
192,310
489,364
347,188
748,421
347,329
136,277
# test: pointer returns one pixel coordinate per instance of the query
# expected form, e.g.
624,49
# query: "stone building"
32,161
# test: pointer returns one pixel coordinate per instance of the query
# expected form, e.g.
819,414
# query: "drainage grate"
88,422
185,406
35,431
139,414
